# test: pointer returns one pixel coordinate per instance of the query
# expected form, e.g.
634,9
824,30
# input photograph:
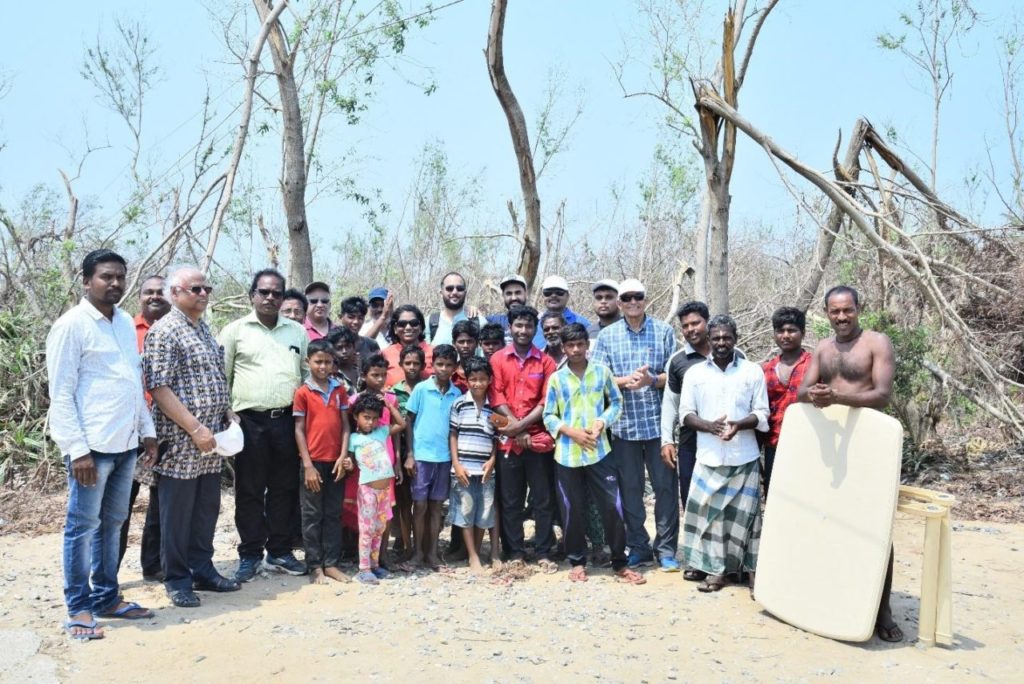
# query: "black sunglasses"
553,329
632,297
407,324
454,288
553,292
267,294
196,289
319,300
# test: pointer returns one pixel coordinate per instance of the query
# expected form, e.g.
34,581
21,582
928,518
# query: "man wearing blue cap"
381,302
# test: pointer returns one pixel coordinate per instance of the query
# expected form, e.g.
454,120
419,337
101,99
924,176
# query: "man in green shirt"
263,360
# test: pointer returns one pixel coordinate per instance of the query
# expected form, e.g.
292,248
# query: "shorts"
472,505
432,481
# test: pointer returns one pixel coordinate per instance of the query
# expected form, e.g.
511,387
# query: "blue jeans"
92,533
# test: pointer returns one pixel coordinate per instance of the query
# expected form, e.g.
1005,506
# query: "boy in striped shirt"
582,401
471,440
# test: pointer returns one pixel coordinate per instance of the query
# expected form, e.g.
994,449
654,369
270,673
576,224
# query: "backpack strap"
433,322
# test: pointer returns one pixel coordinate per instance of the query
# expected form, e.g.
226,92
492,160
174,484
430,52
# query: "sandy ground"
457,627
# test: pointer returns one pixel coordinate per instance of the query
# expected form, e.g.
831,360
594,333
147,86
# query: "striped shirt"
474,433
624,350
578,403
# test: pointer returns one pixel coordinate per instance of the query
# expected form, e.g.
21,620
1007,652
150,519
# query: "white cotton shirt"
735,393
95,377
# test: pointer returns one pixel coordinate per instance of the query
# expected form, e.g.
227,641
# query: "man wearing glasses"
453,310
637,349
263,355
555,290
318,315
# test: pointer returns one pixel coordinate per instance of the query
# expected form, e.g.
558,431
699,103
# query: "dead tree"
529,260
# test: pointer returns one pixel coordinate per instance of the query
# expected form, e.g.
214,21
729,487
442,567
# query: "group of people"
363,428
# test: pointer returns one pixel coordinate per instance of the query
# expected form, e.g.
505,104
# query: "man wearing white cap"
637,349
606,306
555,290
513,291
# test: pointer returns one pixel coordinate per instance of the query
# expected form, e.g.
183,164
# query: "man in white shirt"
724,399
98,416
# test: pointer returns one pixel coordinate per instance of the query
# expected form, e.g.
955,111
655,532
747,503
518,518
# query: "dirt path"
459,628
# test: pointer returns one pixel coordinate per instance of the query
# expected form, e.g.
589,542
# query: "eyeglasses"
632,297
454,288
553,292
554,329
318,300
198,289
267,294
407,324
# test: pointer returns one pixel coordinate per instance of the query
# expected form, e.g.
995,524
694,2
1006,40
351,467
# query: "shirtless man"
854,367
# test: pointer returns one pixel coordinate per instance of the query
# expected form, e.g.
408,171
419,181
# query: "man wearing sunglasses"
263,363
637,349
318,315
453,310
555,291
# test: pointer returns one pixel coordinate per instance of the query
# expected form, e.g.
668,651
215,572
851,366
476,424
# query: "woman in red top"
783,375
406,327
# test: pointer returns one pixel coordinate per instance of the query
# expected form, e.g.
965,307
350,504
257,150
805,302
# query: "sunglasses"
407,324
267,294
554,293
454,288
555,329
198,289
318,300
633,297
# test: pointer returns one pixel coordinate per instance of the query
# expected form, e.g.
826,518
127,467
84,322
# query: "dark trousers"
321,517
518,470
686,460
188,519
601,481
766,470
631,457
150,546
266,489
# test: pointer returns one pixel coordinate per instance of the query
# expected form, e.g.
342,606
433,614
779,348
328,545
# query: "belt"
269,413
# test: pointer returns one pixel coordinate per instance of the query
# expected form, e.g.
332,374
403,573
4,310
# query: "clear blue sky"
816,70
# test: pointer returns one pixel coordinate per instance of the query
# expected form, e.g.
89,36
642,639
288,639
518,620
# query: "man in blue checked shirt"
636,349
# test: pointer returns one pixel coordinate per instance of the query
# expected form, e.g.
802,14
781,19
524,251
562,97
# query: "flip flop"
710,587
692,575
578,574
83,625
124,612
891,634
546,566
630,577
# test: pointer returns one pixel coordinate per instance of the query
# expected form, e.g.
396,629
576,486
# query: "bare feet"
416,559
82,626
433,562
336,574
316,576
476,567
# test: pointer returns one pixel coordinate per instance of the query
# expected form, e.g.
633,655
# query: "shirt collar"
332,384
281,320
95,313
710,360
643,326
510,350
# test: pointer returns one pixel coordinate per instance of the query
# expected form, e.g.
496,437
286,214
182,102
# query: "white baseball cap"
555,282
631,285
516,278
605,284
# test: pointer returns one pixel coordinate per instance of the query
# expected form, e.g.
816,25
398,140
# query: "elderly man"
453,310
263,363
97,418
185,374
552,325
606,305
295,306
723,399
555,290
513,292
318,314
637,349
152,307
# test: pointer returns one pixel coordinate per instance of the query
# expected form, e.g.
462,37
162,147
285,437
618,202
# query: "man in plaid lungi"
724,399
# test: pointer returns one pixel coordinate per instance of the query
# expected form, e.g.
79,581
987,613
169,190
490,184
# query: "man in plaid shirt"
636,349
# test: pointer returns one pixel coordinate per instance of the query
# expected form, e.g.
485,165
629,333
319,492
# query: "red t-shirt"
395,372
521,385
323,419
781,395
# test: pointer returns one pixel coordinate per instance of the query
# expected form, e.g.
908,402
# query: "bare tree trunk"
700,247
529,260
718,242
293,173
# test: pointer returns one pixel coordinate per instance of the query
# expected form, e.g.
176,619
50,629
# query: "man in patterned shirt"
184,370
783,375
637,349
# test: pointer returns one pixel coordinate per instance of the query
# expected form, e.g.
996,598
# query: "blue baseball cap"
377,293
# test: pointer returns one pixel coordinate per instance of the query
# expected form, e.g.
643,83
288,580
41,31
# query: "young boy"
492,338
321,434
411,360
465,336
582,400
428,461
376,475
344,341
783,375
473,449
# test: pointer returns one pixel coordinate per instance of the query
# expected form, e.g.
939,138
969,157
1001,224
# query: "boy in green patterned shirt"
582,400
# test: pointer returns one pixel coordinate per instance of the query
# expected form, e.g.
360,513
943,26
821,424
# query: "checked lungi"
722,523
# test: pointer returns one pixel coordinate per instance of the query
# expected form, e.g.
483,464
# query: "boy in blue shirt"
428,459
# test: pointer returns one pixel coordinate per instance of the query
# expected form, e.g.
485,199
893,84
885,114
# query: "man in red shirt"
152,307
783,375
521,373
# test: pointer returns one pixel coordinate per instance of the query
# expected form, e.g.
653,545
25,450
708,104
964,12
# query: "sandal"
711,584
548,567
692,575
578,573
91,635
128,611
630,577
